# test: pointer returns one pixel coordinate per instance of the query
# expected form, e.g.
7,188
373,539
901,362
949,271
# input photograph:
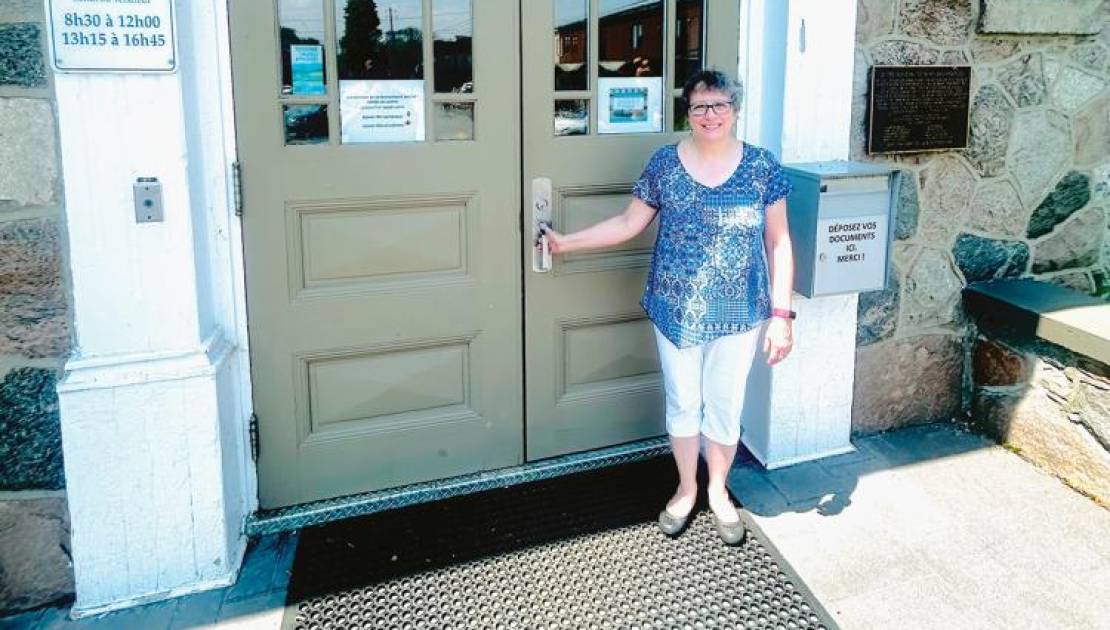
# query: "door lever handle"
541,222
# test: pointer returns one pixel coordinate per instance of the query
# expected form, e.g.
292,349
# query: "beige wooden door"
599,90
383,268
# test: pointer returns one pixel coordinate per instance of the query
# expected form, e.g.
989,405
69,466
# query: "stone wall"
1029,197
1049,405
35,566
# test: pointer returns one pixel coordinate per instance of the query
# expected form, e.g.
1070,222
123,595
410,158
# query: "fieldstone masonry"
35,331
1050,405
1030,196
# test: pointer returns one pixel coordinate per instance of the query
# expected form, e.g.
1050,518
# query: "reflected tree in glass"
452,46
305,124
380,40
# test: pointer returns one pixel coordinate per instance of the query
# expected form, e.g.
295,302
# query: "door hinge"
255,447
237,187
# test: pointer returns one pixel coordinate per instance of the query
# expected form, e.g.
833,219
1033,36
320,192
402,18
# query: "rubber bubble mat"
580,551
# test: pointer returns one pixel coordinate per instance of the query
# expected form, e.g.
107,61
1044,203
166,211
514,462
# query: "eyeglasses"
720,108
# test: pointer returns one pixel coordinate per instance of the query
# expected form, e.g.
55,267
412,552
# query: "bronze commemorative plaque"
918,108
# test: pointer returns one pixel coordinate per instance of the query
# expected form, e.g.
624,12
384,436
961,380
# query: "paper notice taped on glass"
307,65
382,111
630,104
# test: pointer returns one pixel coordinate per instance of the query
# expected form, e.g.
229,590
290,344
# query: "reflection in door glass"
302,46
630,38
689,40
453,45
380,40
572,117
571,43
681,117
454,121
305,124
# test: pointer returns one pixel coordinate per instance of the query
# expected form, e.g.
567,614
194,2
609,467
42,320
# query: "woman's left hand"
779,339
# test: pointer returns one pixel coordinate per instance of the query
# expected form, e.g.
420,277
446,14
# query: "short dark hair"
711,79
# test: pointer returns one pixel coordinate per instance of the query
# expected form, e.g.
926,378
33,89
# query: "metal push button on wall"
148,200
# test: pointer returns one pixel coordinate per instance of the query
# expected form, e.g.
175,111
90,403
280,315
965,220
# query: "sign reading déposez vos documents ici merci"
112,35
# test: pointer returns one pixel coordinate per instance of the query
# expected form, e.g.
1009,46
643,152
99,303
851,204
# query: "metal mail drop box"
841,226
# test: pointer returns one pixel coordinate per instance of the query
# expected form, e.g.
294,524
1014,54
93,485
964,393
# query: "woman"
722,210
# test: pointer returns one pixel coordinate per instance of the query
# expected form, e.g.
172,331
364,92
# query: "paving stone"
877,313
28,160
1072,192
903,52
755,492
1074,88
34,553
993,364
1024,79
991,120
197,610
946,189
931,295
21,60
1076,243
997,209
900,382
1078,17
1092,132
908,207
981,258
1040,146
801,482
31,451
941,21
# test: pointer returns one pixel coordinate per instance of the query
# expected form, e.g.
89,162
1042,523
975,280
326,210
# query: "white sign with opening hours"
112,35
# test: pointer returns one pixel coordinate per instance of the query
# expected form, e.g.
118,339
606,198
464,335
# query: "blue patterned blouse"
709,274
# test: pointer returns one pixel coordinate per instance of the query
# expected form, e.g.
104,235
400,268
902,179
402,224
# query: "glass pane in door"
572,43
302,47
381,70
453,45
630,67
689,39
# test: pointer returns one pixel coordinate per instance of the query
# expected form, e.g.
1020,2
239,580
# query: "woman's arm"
612,231
780,255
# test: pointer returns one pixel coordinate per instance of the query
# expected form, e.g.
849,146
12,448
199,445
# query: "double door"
395,155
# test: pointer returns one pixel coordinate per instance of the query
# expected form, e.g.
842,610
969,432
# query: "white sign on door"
381,111
112,35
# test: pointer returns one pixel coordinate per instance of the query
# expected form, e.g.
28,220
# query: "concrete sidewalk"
922,528
934,528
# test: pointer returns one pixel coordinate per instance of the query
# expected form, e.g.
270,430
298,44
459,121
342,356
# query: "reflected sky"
306,17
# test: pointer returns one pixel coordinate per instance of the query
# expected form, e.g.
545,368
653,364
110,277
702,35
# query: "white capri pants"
705,385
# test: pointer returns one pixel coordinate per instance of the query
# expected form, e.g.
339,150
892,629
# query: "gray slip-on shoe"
732,533
670,524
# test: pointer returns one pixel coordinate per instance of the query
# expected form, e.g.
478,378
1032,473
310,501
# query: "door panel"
383,280
592,374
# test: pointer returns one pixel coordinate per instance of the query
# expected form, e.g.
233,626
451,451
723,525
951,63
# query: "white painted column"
800,104
151,405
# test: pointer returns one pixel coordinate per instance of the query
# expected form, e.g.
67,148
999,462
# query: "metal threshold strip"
328,510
